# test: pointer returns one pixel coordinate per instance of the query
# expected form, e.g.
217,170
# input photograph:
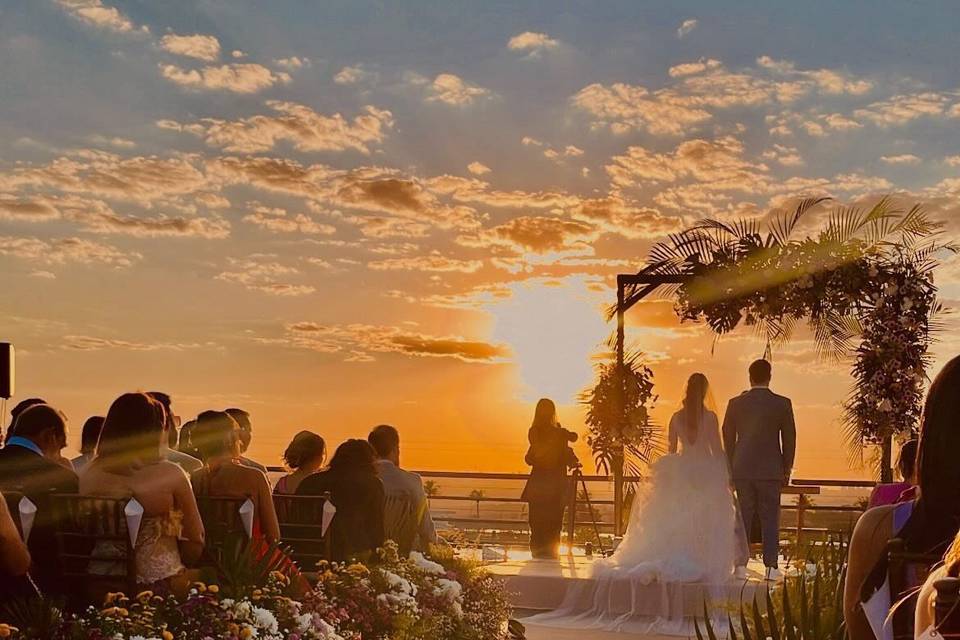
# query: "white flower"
448,589
426,565
265,620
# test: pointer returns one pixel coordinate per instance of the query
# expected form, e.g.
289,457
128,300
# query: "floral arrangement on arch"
864,282
393,598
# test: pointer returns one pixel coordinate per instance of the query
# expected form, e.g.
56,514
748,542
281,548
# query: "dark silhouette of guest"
89,436
169,445
30,464
217,437
246,435
304,456
546,491
926,525
357,493
385,441
185,441
130,463
19,408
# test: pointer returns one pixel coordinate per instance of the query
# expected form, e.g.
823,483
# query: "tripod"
578,475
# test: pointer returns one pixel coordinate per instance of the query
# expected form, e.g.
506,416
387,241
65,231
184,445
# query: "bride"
683,529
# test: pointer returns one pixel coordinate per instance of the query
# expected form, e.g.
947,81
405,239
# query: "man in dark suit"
760,438
30,463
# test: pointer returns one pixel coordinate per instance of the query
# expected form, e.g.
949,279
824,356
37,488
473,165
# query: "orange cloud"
198,46
236,78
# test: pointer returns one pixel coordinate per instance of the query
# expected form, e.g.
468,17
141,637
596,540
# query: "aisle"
536,632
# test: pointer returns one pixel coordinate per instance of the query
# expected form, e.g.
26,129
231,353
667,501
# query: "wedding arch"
863,282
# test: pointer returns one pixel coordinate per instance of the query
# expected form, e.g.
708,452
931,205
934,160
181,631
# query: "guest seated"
19,408
304,456
30,464
246,435
14,557
925,525
899,491
357,493
185,442
385,441
129,462
217,437
168,447
89,436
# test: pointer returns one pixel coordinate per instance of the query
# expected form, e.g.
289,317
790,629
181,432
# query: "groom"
760,438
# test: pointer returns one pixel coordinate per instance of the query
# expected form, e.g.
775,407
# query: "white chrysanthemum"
265,620
426,565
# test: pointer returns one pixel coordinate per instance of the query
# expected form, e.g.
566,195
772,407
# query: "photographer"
550,456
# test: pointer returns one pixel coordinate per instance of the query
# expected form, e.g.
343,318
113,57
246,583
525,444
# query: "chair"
221,523
907,572
401,521
301,528
93,546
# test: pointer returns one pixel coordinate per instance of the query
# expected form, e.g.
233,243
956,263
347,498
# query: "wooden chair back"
301,528
401,521
12,498
907,572
93,546
221,522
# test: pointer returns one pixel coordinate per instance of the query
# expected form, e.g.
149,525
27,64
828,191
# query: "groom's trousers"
762,497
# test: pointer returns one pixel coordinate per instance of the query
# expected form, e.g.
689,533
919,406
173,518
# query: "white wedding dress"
680,547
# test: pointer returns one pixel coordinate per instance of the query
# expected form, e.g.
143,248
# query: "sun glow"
554,328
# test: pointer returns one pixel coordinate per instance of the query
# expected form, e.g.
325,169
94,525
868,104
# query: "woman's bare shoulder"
875,525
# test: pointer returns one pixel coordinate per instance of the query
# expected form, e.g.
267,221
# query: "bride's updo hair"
545,414
694,404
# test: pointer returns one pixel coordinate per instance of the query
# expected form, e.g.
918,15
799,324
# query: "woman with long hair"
926,525
89,436
355,490
128,463
304,456
217,438
549,457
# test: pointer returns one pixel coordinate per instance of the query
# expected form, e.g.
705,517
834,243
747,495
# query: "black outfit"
547,488
358,496
35,476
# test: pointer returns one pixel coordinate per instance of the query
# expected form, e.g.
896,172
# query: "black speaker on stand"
7,370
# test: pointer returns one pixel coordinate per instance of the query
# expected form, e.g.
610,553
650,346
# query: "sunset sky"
342,213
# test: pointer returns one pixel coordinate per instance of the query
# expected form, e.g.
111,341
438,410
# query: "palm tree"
431,488
478,495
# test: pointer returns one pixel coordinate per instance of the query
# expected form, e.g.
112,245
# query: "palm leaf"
783,225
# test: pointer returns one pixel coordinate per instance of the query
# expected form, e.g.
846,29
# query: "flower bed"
390,598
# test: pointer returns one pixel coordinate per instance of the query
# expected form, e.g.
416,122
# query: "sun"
554,328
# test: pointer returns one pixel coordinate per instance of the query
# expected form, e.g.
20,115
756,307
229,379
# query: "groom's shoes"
773,574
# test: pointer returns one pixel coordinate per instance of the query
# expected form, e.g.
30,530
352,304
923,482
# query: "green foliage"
612,425
246,565
807,605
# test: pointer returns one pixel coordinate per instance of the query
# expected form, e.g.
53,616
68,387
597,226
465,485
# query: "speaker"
7,374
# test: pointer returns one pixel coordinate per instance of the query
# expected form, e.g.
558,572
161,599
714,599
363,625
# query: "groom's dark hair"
760,372
384,439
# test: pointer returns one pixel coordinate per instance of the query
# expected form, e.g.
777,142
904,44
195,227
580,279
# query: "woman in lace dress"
128,464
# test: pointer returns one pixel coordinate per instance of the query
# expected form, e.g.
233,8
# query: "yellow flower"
247,632
233,628
7,630
144,595
200,587
166,635
213,589
112,597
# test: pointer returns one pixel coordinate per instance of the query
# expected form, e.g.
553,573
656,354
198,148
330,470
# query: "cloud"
260,273
827,80
570,151
359,341
433,262
692,68
277,221
236,78
297,124
478,168
91,343
355,74
538,234
293,63
613,214
904,108
953,161
719,162
904,158
453,90
623,107
61,251
533,43
787,156
198,46
97,14
157,227
120,143
686,27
